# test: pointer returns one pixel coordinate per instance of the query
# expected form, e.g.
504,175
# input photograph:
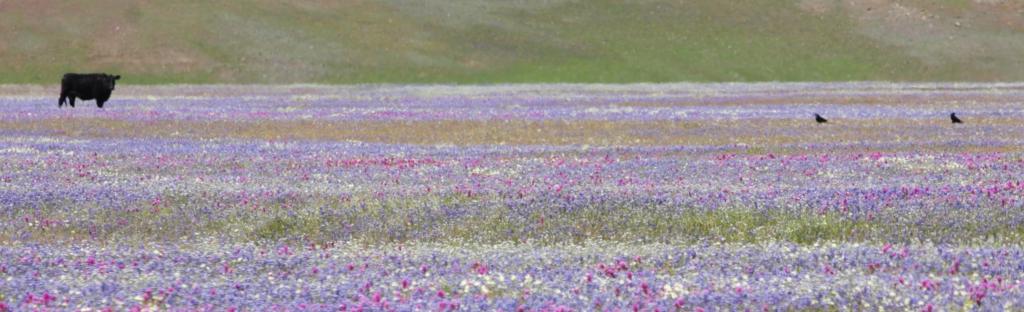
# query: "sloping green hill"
488,41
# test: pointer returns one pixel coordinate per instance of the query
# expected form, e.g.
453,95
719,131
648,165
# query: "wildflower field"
662,197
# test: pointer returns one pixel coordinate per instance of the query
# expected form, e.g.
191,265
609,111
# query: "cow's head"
111,81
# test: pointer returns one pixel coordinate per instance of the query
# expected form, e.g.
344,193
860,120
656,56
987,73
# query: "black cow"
86,87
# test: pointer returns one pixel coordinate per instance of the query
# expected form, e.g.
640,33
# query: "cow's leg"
64,88
71,101
99,103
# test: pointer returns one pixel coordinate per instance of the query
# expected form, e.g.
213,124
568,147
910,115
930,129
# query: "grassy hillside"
488,41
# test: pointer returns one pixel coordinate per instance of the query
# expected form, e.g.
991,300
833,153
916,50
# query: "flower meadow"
659,197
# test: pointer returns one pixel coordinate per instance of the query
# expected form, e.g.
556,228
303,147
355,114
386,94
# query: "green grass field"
463,41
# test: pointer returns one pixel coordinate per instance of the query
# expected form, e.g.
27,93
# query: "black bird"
955,120
820,119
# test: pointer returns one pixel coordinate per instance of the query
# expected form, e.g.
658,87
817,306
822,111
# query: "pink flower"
480,268
928,284
829,270
978,293
679,303
47,298
147,295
